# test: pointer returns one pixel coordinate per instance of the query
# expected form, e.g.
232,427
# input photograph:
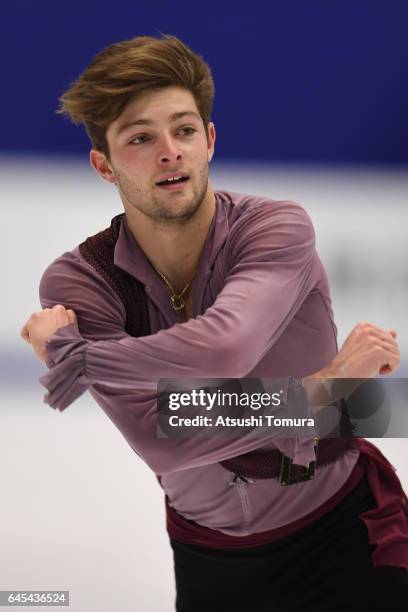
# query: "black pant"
326,567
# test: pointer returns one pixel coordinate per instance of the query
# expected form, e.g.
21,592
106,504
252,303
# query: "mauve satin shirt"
261,308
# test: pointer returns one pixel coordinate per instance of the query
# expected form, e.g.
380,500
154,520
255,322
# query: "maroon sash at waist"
189,532
387,523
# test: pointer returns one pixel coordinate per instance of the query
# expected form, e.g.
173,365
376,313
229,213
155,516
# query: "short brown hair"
123,70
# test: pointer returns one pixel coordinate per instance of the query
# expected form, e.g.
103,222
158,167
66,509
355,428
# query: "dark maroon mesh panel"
98,251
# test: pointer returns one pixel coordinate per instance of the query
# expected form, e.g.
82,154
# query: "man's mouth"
171,181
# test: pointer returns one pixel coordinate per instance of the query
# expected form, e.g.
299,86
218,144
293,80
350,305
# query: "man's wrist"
317,391
330,385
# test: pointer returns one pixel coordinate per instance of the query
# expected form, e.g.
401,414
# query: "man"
192,283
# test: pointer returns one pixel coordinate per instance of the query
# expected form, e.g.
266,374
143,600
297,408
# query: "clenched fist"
367,351
43,324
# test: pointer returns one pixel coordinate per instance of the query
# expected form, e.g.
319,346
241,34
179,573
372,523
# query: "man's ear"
102,166
211,140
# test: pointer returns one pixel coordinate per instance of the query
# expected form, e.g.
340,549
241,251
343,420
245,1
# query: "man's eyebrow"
146,121
176,116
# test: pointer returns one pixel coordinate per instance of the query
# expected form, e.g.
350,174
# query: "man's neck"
174,250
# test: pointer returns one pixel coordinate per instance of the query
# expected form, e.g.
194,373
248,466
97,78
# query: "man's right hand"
367,351
43,324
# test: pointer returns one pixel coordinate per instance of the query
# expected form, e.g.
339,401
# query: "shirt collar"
130,257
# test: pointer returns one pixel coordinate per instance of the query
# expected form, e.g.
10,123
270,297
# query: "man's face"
159,137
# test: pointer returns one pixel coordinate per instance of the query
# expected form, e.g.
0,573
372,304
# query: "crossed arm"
80,332
272,269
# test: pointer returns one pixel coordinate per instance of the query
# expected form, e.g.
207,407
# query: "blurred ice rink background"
79,510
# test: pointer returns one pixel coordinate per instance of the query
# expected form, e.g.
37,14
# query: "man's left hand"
43,324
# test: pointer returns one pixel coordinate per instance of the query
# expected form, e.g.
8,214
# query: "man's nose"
169,151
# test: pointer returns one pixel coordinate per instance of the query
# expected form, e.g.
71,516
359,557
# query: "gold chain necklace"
176,299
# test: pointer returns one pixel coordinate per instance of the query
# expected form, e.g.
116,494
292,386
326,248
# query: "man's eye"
187,131
140,139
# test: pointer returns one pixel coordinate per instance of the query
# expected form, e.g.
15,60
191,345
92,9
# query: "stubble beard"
158,209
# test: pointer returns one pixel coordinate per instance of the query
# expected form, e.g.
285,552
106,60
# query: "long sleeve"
135,414
269,273
270,268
